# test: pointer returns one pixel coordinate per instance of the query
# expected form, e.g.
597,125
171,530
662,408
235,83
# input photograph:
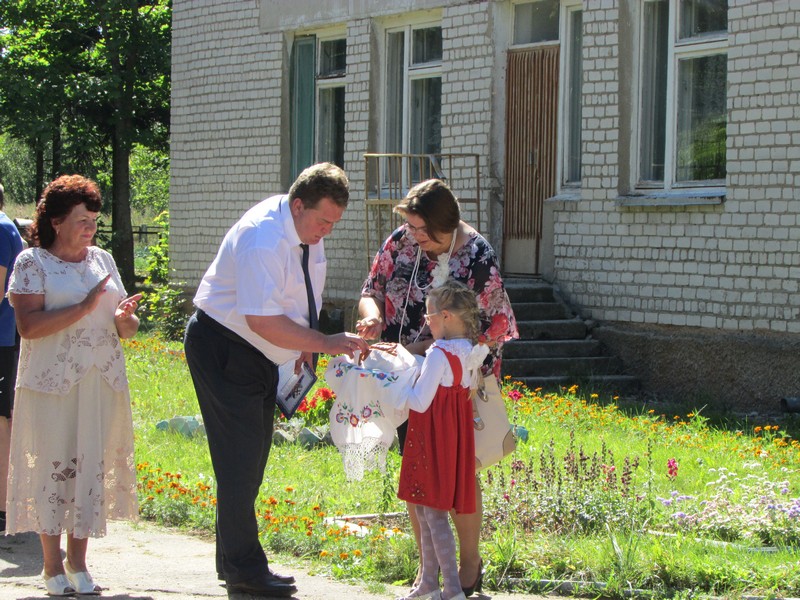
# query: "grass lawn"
606,497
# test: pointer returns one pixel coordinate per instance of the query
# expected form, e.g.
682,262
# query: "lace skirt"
72,464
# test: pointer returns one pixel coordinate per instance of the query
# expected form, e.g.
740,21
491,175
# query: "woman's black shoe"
478,585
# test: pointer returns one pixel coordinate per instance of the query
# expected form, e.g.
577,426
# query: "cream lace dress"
72,464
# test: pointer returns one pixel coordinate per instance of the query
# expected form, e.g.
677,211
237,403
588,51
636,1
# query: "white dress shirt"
258,271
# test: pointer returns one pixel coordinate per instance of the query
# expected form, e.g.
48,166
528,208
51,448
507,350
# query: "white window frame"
411,73
566,121
320,36
699,46
327,83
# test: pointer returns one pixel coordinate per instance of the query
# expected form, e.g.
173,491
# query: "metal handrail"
389,176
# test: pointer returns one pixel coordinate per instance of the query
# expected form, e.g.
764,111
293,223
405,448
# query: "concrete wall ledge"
740,372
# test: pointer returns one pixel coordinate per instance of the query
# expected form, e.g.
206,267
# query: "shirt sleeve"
27,276
435,367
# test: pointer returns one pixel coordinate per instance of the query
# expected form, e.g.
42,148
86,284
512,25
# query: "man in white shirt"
257,309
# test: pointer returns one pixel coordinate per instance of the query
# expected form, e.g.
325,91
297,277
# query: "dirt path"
146,562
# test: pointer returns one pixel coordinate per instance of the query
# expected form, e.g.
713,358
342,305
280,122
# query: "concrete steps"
556,348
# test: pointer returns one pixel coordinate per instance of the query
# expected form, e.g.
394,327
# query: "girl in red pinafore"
438,469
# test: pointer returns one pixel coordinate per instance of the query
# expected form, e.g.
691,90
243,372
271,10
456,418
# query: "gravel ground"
146,562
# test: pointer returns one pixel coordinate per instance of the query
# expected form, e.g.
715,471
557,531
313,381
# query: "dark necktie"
313,320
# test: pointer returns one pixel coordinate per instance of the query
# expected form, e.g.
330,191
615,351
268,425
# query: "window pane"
654,90
330,147
701,118
703,16
536,22
574,99
302,104
426,115
427,45
332,58
395,68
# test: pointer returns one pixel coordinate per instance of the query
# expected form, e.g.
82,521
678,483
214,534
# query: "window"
683,93
318,70
573,100
536,22
414,90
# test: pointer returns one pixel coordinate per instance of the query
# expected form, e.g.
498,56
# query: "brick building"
642,155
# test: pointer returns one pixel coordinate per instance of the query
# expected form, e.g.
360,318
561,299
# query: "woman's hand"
127,307
370,328
93,297
125,316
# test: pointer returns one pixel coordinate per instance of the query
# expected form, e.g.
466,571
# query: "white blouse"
53,364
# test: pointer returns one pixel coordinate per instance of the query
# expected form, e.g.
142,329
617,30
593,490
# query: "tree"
87,72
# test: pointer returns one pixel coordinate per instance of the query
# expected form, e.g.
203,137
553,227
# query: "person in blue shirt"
10,245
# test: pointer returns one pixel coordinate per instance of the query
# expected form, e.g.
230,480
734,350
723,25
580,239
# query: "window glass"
700,17
427,45
333,58
683,100
654,90
426,115
330,144
302,104
701,118
395,79
572,165
536,22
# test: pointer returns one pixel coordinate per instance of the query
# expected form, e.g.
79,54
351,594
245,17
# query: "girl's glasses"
428,317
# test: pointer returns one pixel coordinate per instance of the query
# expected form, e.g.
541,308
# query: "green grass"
656,499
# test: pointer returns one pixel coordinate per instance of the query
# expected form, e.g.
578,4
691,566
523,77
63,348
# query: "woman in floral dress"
434,245
72,442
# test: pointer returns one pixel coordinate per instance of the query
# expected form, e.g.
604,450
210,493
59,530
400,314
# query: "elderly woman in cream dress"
72,443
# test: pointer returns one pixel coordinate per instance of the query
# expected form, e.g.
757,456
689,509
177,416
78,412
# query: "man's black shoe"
271,574
281,578
264,587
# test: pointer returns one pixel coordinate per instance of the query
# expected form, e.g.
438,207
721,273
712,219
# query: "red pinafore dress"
438,468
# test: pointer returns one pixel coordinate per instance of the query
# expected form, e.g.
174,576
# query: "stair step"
528,290
566,366
551,348
541,311
599,384
553,329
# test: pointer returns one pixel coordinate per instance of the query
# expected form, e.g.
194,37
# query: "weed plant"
617,500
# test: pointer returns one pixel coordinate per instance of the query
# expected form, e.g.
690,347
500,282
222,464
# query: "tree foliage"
85,80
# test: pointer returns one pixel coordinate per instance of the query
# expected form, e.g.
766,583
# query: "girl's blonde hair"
457,298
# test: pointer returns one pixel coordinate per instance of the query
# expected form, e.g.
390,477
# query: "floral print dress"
473,264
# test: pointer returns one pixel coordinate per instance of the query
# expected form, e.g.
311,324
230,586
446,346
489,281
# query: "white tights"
438,552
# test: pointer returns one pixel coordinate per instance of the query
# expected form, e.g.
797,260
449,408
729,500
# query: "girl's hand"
128,306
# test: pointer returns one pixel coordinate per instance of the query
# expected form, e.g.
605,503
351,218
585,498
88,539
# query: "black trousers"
236,386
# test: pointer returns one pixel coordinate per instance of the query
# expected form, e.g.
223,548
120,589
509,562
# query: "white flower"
441,271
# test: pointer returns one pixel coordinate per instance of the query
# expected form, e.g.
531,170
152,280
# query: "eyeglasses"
415,230
428,317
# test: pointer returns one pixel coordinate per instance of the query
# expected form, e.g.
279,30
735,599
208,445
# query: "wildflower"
672,468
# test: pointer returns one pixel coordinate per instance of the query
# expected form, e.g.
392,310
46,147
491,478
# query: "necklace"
440,274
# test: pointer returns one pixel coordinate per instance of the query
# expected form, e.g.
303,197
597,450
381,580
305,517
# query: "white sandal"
81,581
58,585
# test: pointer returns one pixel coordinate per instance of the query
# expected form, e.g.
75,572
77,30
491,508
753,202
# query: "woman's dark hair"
57,201
323,180
433,202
